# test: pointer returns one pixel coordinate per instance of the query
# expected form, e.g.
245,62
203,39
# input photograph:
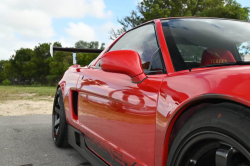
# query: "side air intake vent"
75,102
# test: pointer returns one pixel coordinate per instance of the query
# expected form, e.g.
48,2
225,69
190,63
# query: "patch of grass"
25,92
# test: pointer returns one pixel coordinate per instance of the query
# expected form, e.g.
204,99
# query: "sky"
25,23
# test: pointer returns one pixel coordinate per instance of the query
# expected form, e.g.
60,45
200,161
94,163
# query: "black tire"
59,123
211,130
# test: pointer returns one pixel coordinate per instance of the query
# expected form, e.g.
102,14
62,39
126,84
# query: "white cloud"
80,31
106,27
104,31
11,43
62,8
22,28
25,23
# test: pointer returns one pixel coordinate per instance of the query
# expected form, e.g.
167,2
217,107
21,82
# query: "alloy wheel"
212,149
56,117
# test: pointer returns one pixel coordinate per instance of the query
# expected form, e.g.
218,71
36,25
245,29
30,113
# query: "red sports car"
171,92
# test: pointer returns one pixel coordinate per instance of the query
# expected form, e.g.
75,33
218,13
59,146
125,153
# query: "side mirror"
125,62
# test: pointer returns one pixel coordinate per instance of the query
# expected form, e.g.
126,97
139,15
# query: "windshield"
194,43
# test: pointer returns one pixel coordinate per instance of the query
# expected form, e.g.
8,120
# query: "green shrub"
6,82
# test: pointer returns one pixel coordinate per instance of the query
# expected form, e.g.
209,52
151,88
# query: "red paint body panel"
121,114
68,83
232,83
131,124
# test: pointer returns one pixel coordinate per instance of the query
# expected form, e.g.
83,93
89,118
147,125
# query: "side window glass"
156,63
141,40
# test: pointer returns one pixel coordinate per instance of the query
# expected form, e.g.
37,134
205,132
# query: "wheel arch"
186,110
61,85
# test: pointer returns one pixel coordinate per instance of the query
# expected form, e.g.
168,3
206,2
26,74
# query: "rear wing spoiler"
74,51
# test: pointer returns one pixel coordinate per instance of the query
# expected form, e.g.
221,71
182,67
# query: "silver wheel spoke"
57,110
57,131
55,118
57,122
224,156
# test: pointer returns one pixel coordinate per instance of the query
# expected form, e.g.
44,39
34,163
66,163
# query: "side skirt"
77,141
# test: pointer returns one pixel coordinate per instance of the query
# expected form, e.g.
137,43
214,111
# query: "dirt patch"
19,100
25,94
26,107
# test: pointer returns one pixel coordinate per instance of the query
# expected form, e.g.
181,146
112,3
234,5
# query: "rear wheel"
59,123
217,135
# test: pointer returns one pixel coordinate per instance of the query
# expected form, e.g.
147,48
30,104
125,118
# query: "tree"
85,58
60,62
93,44
9,70
37,65
2,63
57,44
41,59
14,68
29,70
102,46
152,9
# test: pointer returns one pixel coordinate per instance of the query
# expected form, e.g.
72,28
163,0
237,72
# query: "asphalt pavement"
27,141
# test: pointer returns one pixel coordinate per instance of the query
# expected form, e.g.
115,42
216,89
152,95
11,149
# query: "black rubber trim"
140,81
83,149
177,60
159,49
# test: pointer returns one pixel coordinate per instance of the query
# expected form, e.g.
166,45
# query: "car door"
118,117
